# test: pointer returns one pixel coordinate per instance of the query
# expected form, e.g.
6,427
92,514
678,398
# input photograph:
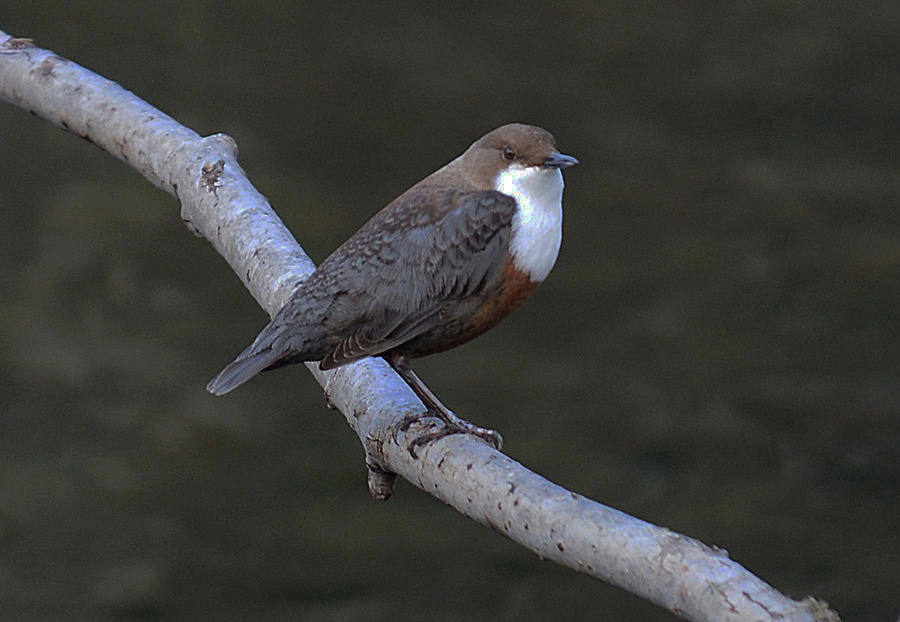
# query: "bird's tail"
242,369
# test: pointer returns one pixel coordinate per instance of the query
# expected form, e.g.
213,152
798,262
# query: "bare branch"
219,204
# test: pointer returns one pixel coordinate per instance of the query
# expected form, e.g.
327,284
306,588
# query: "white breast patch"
537,225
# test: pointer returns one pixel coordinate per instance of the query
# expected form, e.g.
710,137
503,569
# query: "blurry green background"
717,350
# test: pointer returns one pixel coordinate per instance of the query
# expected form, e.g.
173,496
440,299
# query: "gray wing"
413,259
385,285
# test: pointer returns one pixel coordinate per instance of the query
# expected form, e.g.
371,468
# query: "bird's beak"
559,160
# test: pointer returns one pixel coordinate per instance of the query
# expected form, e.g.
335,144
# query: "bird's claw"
455,426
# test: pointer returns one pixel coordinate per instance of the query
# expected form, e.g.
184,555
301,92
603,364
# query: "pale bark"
218,203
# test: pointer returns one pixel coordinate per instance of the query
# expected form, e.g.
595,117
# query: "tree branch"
219,203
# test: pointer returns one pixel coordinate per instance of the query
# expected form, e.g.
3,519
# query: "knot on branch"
381,481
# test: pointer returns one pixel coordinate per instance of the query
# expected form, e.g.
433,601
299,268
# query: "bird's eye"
509,153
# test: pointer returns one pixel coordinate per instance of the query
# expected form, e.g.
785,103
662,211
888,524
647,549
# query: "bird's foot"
452,425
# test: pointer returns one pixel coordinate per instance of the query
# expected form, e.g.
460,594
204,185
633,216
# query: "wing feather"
431,251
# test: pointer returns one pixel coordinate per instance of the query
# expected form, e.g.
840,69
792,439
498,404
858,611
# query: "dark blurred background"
717,350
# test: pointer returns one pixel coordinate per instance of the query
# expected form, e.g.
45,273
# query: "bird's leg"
452,423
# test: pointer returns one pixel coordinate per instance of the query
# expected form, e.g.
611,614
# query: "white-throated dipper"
439,265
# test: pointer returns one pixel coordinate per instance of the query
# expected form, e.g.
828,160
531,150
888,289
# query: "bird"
439,265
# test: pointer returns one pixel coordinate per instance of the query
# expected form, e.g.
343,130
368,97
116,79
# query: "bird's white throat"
537,226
